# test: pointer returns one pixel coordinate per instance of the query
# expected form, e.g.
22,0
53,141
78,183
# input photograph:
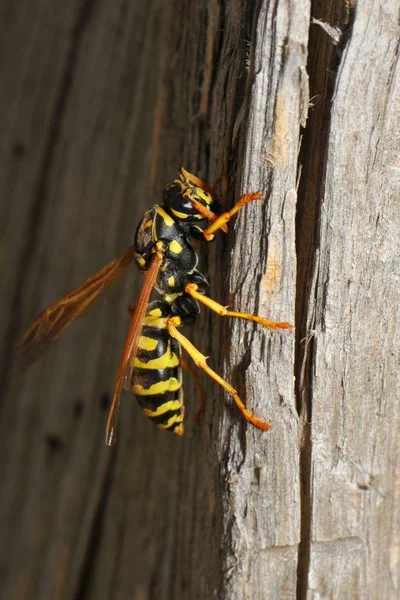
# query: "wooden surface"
101,102
355,382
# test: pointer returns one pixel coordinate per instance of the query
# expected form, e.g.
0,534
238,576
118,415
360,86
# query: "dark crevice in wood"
85,579
40,195
323,62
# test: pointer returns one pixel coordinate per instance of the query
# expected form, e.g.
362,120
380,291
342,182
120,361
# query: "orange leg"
201,361
203,210
223,219
222,311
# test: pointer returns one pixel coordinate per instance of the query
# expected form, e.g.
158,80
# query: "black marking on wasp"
151,362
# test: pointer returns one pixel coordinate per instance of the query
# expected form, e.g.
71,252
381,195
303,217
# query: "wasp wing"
53,321
131,345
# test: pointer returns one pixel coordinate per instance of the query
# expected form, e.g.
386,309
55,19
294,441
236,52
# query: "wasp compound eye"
178,201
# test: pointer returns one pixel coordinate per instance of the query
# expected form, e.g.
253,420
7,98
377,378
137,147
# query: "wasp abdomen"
157,374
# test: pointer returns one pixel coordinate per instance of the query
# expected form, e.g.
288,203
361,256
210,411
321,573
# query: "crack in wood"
322,55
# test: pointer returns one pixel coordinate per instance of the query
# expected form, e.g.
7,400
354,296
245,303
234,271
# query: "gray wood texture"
101,102
355,381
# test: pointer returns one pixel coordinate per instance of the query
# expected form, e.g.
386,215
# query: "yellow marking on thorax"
175,247
171,297
159,323
168,220
170,385
141,261
147,343
148,224
163,408
171,281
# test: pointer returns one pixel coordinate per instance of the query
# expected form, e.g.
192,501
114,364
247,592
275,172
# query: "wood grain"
355,384
101,102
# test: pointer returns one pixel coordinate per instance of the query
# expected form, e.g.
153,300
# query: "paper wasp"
151,362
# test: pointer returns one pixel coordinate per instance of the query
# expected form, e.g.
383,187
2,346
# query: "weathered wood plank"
102,101
355,364
260,472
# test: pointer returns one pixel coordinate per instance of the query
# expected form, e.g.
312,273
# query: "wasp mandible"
151,362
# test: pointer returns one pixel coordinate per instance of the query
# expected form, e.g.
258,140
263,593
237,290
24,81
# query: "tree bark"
102,101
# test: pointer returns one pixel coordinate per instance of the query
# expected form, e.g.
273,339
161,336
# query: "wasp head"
190,198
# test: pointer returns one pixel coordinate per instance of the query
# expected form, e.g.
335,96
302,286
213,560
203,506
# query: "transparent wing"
131,344
55,319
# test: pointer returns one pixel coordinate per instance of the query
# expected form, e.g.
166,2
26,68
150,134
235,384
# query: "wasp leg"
201,361
222,311
222,220
202,210
202,395
199,183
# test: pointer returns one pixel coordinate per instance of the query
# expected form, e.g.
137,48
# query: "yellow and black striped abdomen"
157,375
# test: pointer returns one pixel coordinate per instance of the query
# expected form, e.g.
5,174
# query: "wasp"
151,362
